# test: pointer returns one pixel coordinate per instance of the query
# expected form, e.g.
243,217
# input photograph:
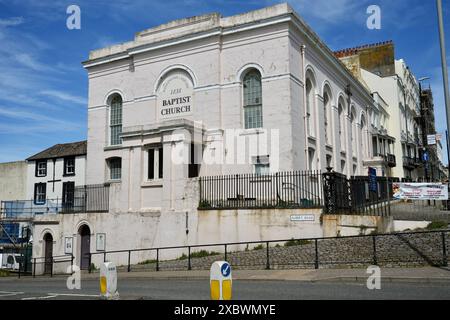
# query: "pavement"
425,274
323,284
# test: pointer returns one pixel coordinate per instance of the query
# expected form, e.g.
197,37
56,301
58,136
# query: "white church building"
210,96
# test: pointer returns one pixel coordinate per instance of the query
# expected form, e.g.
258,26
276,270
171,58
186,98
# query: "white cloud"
10,22
64,96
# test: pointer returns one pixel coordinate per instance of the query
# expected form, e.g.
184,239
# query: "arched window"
309,108
364,141
115,120
342,133
253,100
353,130
327,114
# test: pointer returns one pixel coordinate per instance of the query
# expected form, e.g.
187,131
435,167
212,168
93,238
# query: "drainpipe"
302,52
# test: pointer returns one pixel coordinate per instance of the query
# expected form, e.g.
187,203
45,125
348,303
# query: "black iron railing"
357,195
296,189
418,248
414,248
89,198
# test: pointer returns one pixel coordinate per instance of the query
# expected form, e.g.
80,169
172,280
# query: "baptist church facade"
210,95
262,75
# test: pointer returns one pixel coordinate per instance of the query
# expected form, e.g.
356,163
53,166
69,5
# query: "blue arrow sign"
225,269
425,157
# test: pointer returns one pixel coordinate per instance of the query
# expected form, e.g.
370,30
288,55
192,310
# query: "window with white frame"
155,163
252,100
115,121
115,168
40,193
41,168
69,166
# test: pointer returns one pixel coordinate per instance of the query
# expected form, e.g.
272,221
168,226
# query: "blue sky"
43,87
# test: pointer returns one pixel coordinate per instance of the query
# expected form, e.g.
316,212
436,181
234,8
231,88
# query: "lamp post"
444,63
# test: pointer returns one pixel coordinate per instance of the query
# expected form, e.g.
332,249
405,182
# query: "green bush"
204,204
437,225
259,247
293,242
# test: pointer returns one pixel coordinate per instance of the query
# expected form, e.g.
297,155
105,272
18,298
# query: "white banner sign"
420,191
431,139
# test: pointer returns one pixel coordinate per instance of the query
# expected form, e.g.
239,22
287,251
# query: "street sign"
431,139
425,156
373,179
438,136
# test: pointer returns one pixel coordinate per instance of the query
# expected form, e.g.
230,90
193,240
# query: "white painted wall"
58,170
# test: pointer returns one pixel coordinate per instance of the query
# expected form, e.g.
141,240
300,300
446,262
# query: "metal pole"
34,268
157,259
189,258
375,262
267,257
129,258
444,251
444,62
316,263
225,252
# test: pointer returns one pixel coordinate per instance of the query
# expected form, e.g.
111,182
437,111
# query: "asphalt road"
54,289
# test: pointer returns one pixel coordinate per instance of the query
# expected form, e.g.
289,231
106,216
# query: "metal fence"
357,195
403,249
296,189
90,198
424,248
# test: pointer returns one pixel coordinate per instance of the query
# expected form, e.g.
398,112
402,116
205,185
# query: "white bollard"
220,281
108,281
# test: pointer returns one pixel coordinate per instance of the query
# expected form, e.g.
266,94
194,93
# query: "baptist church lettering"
185,105
175,97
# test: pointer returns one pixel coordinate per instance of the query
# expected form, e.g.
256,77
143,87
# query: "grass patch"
259,247
199,254
4,273
437,225
150,261
293,242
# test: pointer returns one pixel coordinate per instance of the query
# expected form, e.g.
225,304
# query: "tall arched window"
115,120
353,130
253,99
327,113
342,135
364,152
309,107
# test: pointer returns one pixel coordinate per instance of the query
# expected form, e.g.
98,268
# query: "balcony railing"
411,162
90,198
298,189
391,161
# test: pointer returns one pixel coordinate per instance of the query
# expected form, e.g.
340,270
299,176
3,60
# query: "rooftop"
62,150
353,51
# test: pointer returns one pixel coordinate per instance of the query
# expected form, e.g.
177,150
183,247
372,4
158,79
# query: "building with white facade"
54,173
210,96
393,81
